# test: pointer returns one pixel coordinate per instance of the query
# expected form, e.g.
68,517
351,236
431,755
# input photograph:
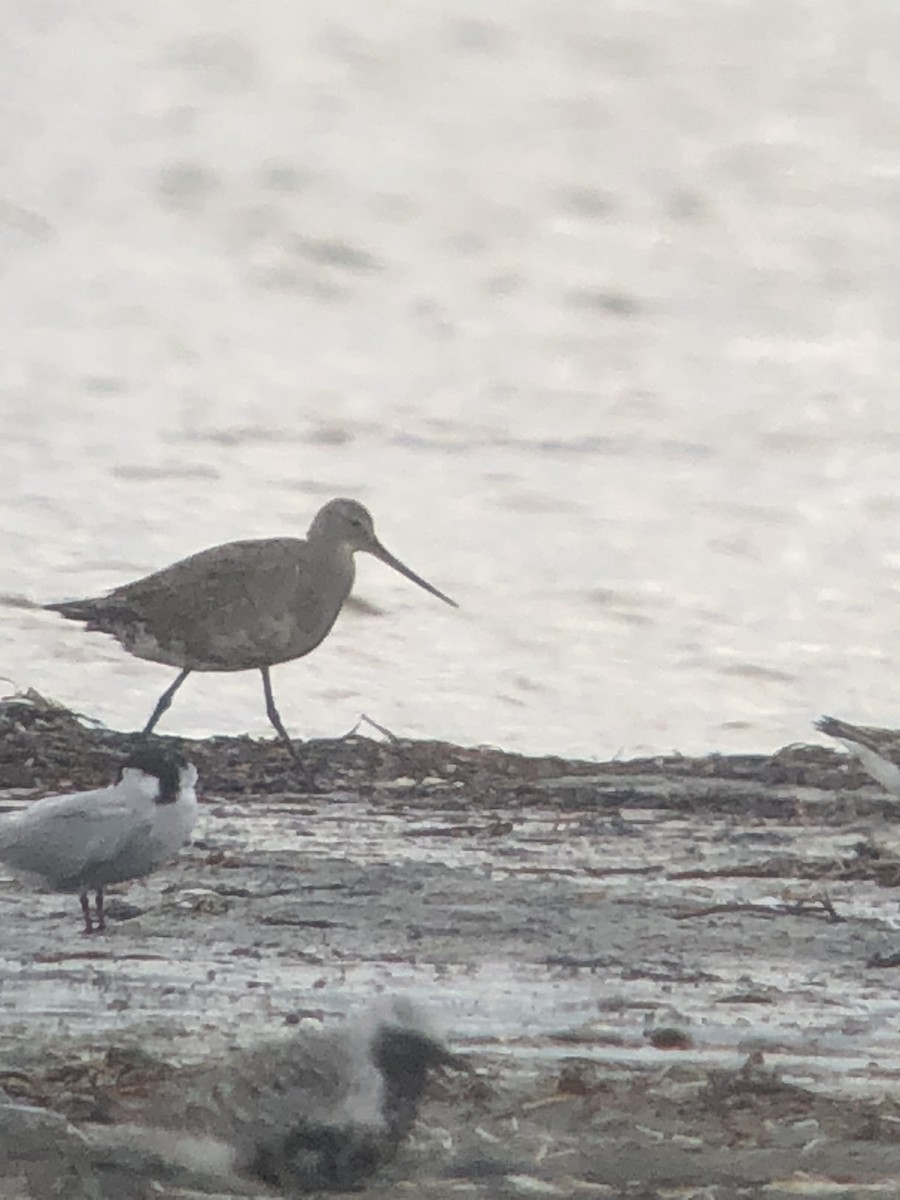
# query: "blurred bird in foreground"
320,1111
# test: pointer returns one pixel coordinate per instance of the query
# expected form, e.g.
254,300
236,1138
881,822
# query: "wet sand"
663,971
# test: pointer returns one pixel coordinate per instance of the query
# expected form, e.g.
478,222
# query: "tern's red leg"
86,909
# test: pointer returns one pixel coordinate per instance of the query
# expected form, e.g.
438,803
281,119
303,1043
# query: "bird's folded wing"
64,841
224,600
219,571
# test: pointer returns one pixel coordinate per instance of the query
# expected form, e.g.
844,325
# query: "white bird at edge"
869,746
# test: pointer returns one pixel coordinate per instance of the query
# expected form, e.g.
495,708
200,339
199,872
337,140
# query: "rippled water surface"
594,305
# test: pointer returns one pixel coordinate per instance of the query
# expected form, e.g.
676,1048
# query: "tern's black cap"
166,765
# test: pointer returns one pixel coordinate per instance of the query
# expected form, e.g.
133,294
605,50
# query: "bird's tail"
73,610
832,727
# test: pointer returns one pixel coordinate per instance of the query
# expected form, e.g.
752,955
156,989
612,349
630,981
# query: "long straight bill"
386,557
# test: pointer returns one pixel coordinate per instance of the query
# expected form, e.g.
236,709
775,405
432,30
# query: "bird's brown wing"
240,605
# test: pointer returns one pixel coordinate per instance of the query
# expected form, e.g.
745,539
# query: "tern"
317,1112
83,841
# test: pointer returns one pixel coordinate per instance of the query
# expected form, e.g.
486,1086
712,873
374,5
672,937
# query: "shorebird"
83,841
243,605
876,749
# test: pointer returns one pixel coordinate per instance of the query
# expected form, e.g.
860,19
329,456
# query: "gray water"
594,304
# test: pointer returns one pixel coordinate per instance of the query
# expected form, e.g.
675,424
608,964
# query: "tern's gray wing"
315,1071
75,842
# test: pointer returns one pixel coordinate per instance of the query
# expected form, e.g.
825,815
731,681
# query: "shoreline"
636,957
44,745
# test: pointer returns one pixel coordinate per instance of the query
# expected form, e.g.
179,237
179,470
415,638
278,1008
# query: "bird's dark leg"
101,916
165,700
86,910
272,712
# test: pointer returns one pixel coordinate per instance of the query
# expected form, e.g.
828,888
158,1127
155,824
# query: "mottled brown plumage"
243,605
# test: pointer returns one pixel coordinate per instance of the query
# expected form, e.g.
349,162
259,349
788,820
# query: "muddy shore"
668,974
